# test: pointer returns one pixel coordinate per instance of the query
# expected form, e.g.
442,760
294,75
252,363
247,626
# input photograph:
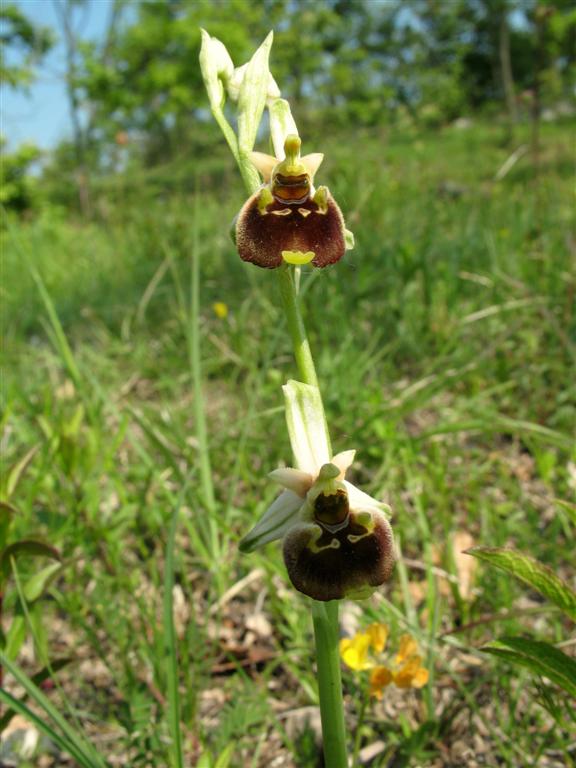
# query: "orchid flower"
287,219
337,541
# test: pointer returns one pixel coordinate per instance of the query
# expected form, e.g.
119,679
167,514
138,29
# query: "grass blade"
541,658
72,741
170,648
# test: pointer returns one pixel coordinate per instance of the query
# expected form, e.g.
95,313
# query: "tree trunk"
506,70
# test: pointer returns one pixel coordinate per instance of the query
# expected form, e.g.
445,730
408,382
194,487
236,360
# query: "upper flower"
337,541
287,219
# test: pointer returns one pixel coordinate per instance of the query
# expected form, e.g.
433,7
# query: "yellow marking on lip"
283,212
304,212
298,257
315,549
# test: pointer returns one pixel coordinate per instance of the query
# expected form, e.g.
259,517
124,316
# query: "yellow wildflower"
380,677
220,309
405,670
407,648
378,636
354,651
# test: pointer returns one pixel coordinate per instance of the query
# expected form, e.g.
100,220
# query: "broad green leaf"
37,583
541,658
29,547
7,512
225,756
531,572
15,636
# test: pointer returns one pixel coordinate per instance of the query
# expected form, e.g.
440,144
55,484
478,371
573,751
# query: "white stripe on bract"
281,125
306,426
278,518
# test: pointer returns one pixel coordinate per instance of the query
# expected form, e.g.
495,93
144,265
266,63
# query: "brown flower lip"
286,218
283,224
349,562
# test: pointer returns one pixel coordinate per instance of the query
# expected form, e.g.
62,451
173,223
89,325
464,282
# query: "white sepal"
343,461
274,523
293,479
281,125
360,500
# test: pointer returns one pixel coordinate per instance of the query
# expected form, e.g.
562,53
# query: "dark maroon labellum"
349,562
290,221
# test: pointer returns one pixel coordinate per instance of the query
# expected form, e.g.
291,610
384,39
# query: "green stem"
324,615
296,327
358,734
326,635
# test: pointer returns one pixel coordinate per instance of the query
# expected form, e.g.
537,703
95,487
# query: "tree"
24,41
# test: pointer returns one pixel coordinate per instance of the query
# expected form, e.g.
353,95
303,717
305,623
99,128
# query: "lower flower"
337,541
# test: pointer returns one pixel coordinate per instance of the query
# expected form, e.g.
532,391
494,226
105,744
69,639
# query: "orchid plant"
337,541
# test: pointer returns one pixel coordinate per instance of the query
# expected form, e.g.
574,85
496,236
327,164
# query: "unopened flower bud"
217,68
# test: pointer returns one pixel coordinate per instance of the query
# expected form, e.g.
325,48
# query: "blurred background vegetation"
444,343
136,102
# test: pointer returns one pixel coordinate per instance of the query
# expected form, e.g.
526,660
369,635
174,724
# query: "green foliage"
21,38
350,65
540,658
18,189
445,343
533,573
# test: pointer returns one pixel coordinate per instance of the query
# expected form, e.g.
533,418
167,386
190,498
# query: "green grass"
444,345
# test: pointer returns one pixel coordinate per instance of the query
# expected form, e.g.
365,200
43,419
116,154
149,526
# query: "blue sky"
41,116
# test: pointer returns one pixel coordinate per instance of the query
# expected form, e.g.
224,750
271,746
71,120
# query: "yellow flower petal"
380,677
420,678
406,676
354,651
378,636
408,647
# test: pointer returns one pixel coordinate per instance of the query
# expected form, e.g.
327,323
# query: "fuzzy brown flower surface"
287,220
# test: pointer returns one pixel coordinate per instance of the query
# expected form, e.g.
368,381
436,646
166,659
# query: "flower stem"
296,328
324,615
